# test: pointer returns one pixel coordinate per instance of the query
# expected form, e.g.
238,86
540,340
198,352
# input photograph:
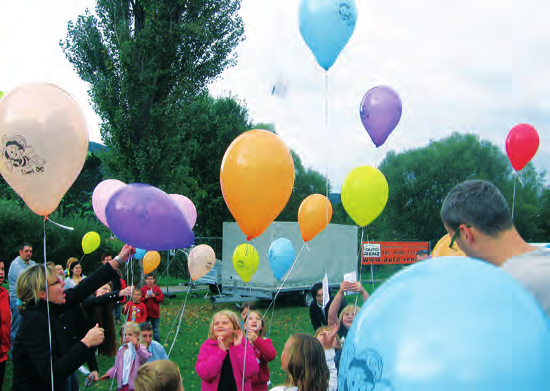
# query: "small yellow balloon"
246,261
151,261
1,94
364,194
442,248
90,242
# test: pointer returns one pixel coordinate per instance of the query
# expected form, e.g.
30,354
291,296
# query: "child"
245,309
152,297
130,357
135,309
162,375
5,325
156,349
222,356
263,348
345,319
303,361
327,336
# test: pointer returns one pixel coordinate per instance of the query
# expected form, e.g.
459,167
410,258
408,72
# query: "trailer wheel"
307,298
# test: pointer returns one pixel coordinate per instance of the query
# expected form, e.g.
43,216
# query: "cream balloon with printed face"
44,144
201,260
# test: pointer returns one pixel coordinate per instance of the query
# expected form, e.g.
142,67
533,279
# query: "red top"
123,285
152,303
137,313
5,318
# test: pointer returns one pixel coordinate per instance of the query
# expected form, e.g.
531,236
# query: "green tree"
145,61
420,179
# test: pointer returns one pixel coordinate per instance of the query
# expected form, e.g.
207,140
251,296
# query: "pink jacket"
142,355
210,361
265,352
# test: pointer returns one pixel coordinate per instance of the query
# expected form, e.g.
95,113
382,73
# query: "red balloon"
522,144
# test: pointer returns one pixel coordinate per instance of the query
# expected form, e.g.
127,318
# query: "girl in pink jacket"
222,358
263,349
130,357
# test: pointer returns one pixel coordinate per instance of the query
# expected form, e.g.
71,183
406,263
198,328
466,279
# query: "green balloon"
1,94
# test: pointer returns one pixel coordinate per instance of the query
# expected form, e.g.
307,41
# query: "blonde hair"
348,308
261,333
31,282
232,317
129,327
321,329
160,375
307,366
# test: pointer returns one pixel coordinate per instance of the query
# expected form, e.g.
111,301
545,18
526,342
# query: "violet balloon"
146,217
187,207
380,113
101,195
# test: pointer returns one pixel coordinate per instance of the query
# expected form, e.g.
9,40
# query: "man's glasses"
456,235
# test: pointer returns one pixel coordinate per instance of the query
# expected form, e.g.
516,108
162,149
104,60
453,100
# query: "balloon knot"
249,238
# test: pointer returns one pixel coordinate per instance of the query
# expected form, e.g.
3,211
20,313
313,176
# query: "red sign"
392,253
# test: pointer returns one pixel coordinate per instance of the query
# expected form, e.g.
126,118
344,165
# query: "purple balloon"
146,217
380,112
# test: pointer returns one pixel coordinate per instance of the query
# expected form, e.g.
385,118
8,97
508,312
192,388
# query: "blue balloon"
281,256
140,253
449,323
327,26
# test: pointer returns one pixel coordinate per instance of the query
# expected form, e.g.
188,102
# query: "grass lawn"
289,318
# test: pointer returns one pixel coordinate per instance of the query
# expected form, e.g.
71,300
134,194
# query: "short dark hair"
315,288
105,255
248,304
422,252
479,203
145,326
150,275
24,245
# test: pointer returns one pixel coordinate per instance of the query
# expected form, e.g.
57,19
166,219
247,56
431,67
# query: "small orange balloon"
314,215
256,176
151,260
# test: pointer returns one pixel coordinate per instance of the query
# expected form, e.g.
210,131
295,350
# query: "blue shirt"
16,267
157,352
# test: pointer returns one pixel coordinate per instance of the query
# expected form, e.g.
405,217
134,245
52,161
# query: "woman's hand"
126,291
94,337
122,256
94,375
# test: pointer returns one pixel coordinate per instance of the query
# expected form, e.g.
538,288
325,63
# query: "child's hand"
221,343
251,335
104,377
238,338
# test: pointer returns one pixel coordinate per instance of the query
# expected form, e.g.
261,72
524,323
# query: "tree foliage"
420,179
146,60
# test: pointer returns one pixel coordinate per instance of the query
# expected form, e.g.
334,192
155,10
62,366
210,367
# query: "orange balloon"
314,215
256,176
151,260
442,248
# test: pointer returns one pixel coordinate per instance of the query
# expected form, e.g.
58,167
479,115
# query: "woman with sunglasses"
41,358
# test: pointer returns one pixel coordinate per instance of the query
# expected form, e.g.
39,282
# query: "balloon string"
514,197
176,317
281,287
48,302
181,317
360,256
245,346
327,135
59,225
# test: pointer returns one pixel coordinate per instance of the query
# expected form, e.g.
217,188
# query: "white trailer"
334,251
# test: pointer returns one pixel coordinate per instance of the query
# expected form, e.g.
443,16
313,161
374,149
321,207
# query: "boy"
135,309
152,297
159,376
155,348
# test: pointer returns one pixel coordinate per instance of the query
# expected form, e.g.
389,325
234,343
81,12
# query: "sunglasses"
456,234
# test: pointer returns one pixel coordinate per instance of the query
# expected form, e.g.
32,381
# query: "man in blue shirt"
19,264
153,347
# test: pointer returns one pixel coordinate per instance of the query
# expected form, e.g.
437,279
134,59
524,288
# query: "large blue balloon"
146,217
281,256
450,323
326,26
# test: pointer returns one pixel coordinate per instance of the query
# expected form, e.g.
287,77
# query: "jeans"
155,323
117,312
15,322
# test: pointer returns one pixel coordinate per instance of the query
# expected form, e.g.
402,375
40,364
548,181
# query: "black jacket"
319,317
31,349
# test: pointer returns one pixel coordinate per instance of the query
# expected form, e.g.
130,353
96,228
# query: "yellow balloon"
256,176
314,214
246,261
90,242
44,144
442,249
364,194
151,261
1,94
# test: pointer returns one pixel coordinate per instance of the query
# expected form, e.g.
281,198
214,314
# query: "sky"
465,66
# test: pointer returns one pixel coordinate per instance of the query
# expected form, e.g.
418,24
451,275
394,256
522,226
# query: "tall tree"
145,61
420,179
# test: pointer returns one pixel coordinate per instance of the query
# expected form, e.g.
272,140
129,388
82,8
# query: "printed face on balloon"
17,154
345,12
